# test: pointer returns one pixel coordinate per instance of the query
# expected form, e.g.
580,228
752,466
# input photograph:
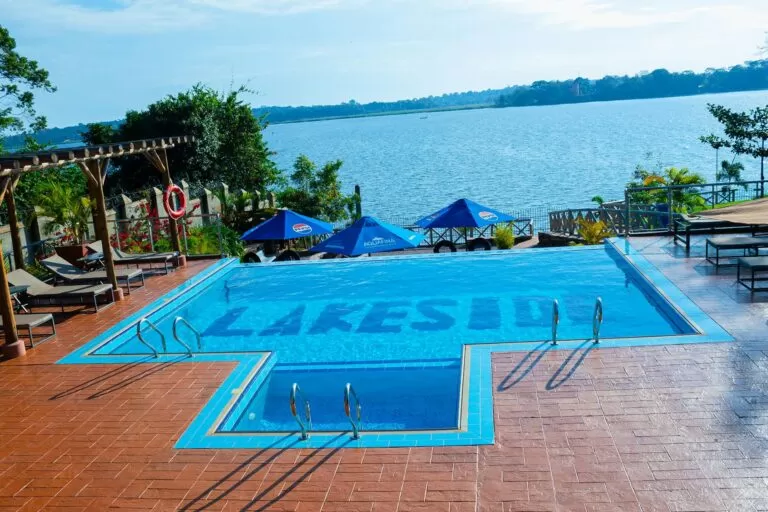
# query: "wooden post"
13,221
159,159
13,346
96,173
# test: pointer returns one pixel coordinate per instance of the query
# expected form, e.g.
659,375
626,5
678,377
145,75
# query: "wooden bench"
749,246
752,266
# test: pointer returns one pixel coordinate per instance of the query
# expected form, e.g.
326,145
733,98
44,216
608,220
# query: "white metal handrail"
597,320
181,319
154,328
349,394
555,320
305,426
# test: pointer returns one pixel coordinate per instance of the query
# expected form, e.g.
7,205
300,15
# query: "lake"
515,159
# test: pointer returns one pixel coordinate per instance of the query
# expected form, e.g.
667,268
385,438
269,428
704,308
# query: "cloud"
124,16
140,16
272,7
605,14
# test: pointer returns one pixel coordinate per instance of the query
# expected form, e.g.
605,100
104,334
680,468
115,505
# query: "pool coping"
478,425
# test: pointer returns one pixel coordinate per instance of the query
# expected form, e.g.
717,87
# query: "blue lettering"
533,311
289,325
332,318
578,309
374,321
485,314
441,321
220,326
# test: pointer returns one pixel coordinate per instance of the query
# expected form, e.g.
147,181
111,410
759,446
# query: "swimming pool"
411,334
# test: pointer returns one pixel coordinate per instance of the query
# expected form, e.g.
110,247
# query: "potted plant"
68,214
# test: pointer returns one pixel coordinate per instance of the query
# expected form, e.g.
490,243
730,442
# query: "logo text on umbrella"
302,229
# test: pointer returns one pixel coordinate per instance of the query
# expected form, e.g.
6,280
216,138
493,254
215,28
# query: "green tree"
229,145
746,133
717,144
99,133
19,78
68,209
730,172
683,199
317,192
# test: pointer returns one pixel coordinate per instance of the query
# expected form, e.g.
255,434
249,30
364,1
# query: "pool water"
415,397
413,308
396,328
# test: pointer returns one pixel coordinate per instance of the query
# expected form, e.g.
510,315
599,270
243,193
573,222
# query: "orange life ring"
175,214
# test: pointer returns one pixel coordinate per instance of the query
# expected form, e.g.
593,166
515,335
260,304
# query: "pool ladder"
351,402
597,320
164,343
305,425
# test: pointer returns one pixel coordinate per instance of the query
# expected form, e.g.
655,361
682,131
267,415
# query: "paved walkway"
652,428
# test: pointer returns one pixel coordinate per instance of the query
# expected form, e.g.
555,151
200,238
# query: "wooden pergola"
92,160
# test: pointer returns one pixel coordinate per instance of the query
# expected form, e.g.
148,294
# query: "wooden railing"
657,217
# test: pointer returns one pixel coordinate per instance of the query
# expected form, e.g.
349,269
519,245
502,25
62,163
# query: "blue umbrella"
287,225
369,235
464,214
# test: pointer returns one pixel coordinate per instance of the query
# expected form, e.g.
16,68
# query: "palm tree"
69,212
730,172
685,199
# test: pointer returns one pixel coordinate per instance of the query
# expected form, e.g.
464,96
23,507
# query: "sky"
109,56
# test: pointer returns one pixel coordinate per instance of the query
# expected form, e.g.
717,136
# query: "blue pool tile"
677,307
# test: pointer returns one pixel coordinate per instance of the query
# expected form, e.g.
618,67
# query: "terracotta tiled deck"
653,428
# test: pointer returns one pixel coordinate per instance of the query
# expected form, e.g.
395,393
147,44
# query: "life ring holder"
182,210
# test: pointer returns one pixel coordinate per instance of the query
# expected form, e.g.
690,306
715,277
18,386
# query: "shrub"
504,237
594,232
205,240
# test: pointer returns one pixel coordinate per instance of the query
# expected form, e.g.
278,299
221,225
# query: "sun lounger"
684,226
749,276
167,259
30,322
40,293
70,274
258,257
748,245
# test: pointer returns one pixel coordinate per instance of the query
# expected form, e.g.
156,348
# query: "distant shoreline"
381,114
481,107
71,141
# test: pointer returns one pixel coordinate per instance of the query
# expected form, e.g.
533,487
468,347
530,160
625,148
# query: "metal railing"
200,234
555,320
531,221
176,322
140,335
597,320
349,395
656,208
306,425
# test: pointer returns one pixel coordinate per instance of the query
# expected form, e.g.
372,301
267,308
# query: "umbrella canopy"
464,214
287,225
751,212
369,235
